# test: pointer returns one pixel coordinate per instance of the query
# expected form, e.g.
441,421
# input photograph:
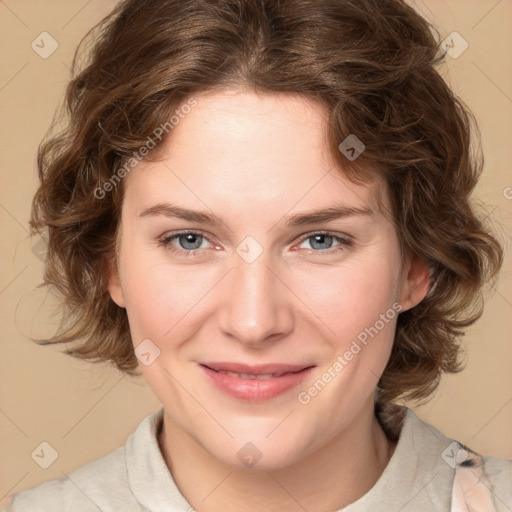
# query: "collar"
415,469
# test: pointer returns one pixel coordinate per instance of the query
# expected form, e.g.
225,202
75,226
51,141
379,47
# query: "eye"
323,242
183,243
188,243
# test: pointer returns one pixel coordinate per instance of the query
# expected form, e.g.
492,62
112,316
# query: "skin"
254,160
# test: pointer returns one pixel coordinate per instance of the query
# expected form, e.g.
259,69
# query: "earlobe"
114,283
415,283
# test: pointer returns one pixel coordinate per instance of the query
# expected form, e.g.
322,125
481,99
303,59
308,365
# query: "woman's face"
257,284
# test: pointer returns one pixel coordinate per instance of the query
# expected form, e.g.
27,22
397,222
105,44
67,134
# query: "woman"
264,206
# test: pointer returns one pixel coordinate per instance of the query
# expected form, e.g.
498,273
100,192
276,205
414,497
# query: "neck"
338,474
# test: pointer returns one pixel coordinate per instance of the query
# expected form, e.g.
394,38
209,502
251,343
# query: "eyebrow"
298,219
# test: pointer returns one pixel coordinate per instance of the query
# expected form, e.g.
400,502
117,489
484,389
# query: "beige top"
428,472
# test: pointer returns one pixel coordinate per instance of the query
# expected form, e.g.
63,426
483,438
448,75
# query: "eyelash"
165,242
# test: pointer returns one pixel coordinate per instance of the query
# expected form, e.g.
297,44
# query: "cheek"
162,300
357,310
350,297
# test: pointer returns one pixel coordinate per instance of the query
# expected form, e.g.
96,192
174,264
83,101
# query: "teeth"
265,376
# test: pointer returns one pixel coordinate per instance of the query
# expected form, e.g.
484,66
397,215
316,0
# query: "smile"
255,383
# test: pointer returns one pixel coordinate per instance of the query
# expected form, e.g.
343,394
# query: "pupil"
321,239
190,239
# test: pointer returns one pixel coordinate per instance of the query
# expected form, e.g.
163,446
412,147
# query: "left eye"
320,240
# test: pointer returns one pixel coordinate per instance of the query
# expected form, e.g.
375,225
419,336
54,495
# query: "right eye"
188,242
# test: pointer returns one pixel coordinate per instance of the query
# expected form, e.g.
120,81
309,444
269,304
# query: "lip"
254,390
258,369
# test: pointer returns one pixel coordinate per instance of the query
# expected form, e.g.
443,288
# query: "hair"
370,63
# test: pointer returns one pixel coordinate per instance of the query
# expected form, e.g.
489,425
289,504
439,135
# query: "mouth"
255,383
248,376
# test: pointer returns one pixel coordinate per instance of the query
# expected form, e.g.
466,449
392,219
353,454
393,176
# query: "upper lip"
259,369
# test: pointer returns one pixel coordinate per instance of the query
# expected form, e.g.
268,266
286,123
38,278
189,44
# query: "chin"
257,454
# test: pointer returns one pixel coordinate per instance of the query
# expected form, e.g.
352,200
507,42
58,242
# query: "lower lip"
253,390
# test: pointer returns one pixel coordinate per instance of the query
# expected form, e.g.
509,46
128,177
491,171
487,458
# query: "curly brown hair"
372,63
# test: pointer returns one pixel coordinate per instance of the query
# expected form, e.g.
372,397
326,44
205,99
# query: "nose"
256,305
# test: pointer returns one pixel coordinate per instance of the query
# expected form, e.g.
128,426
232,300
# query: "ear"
114,282
415,282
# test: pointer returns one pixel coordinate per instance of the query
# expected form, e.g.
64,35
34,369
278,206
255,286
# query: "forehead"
240,146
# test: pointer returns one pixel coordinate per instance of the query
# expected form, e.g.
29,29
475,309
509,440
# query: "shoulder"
88,488
482,479
452,475
499,470
106,484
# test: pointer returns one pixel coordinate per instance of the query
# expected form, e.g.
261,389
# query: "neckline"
154,487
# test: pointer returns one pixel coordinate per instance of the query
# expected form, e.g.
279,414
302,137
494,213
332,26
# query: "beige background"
85,411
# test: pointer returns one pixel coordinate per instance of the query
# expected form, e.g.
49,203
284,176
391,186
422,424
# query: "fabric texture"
428,472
